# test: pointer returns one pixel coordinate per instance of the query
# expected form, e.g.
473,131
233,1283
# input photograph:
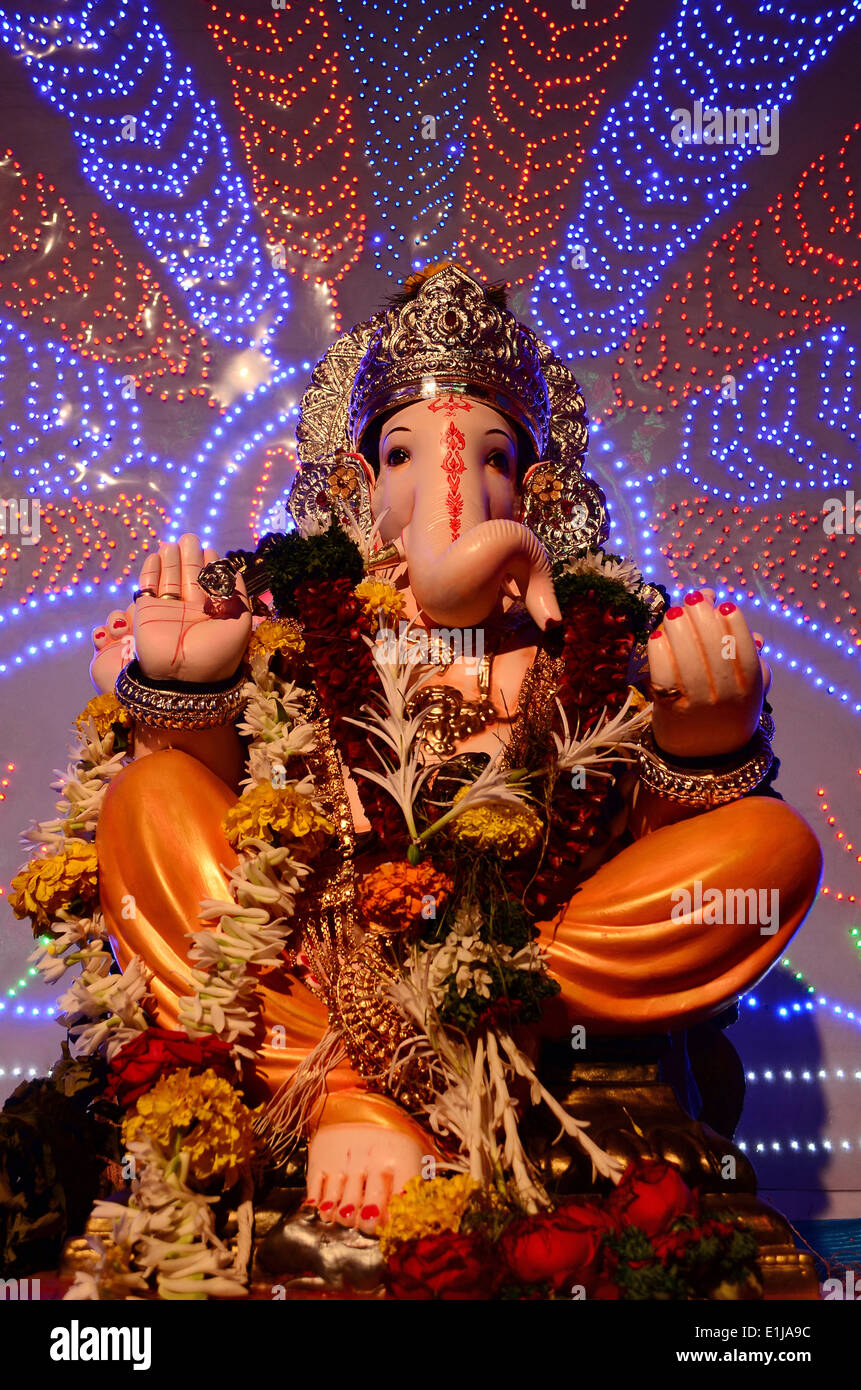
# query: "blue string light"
647,199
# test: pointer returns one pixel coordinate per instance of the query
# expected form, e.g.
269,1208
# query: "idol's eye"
395,457
500,461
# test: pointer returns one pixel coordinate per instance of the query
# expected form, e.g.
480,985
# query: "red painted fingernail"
101,633
675,612
324,1206
653,636
369,1213
694,597
727,608
759,646
348,1210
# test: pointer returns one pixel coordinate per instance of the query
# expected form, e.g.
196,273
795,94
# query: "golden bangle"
704,787
173,707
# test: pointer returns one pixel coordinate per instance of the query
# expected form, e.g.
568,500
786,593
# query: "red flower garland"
335,625
596,650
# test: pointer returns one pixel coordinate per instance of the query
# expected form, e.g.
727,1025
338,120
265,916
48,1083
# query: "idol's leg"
161,849
629,950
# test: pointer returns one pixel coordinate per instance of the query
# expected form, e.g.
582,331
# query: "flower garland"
278,830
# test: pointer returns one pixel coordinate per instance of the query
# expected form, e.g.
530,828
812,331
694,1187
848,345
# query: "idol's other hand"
112,649
354,1169
179,634
707,678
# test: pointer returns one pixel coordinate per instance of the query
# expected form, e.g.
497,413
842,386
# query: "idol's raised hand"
707,678
179,632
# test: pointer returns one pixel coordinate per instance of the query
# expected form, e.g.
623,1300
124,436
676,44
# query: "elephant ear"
565,509
338,484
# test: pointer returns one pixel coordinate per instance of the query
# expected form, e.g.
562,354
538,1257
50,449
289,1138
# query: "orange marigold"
397,896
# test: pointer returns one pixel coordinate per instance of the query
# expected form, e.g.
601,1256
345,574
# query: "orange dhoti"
626,959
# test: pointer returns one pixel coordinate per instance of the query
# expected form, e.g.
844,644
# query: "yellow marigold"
507,828
394,896
426,1208
206,1114
46,885
376,595
103,711
280,815
276,635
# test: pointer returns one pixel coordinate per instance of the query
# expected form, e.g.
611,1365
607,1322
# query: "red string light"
542,98
768,268
81,286
297,134
80,540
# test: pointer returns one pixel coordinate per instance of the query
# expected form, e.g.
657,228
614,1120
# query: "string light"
543,95
415,142
81,286
170,170
758,265
647,199
296,121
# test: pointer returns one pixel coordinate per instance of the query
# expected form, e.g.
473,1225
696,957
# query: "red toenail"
727,608
324,1206
368,1213
101,633
347,1211
653,635
120,622
675,612
310,1201
692,598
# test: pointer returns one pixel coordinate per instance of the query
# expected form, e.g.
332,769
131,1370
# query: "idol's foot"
365,1151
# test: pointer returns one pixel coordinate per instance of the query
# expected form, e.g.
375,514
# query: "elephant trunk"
457,582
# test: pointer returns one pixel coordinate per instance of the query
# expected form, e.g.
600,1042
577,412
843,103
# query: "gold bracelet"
172,707
704,786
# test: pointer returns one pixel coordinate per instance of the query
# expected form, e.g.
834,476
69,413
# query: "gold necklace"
449,716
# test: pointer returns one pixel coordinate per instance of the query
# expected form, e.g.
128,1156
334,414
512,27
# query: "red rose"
157,1052
560,1248
651,1195
446,1266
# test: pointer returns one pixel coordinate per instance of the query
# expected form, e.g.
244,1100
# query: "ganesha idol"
562,826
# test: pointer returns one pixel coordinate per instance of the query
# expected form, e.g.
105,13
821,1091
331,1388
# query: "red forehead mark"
454,466
448,405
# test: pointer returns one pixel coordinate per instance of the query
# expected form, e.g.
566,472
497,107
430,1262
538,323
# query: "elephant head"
447,493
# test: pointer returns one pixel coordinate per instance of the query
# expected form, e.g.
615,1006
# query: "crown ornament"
448,334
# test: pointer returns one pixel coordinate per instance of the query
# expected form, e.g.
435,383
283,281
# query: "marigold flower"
205,1114
47,884
280,815
393,896
276,635
503,827
426,1207
376,595
103,711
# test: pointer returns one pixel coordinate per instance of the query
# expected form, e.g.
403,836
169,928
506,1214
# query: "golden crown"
451,337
